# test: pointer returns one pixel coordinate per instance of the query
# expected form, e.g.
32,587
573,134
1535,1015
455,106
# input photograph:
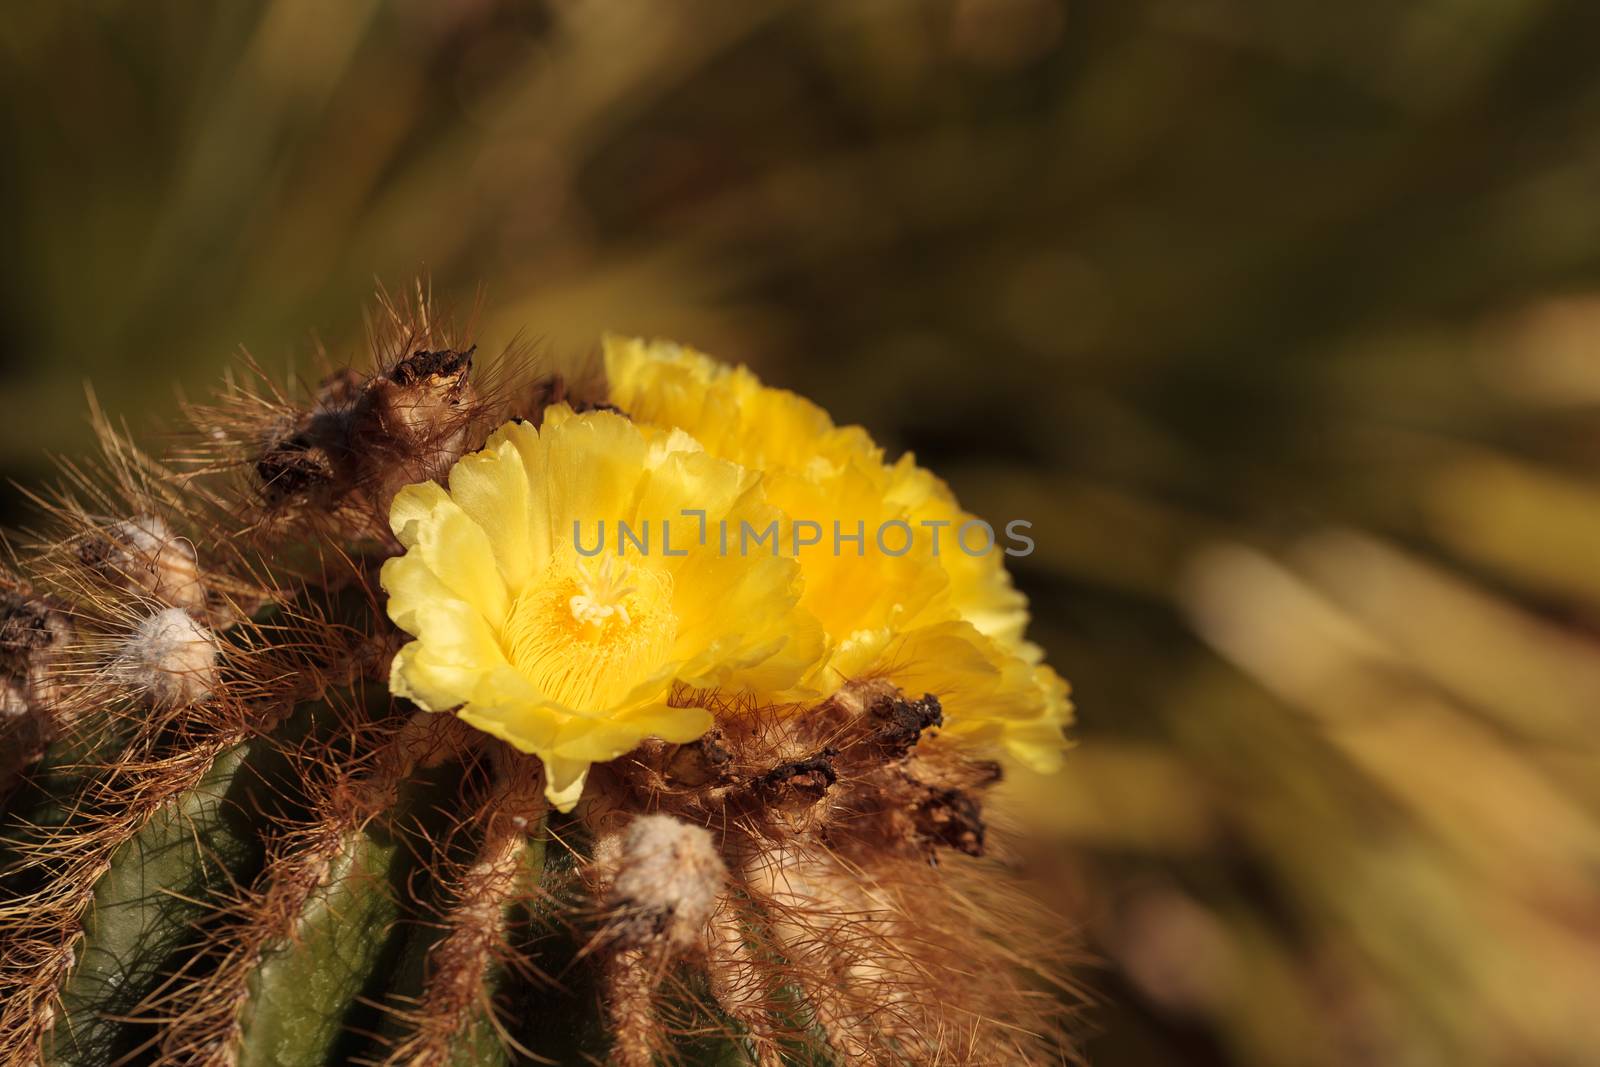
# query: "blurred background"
1279,319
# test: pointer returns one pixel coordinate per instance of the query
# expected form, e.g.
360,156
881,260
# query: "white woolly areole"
668,878
169,658
161,561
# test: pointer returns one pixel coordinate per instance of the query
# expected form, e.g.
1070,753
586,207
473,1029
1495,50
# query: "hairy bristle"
844,827
166,758
201,1018
476,937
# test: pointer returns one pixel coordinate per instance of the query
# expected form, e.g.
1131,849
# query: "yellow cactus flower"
916,607
574,656
728,410
734,416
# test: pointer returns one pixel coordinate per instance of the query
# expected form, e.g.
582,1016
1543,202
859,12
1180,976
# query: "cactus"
246,822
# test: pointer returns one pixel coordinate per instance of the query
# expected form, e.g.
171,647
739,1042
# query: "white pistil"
603,595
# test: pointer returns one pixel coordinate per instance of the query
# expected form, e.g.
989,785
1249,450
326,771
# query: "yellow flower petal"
412,507
726,409
491,487
601,740
457,550
433,686
411,586
593,467
979,587
1039,746
563,781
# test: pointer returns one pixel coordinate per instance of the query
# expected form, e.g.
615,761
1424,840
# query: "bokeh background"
1279,319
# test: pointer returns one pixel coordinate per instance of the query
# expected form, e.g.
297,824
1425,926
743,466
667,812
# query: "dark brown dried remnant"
295,466
144,555
26,625
901,722
856,772
33,636
953,818
447,365
556,389
803,780
97,552
302,461
369,436
700,762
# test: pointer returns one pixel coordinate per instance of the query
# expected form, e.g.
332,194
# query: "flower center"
603,596
589,631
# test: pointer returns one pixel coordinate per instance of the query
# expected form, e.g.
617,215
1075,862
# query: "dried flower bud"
370,436
420,397
297,465
410,424
668,878
170,659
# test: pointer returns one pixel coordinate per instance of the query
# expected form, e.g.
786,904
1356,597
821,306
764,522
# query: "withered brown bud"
27,625
800,782
295,466
367,437
700,762
412,423
952,818
418,404
901,722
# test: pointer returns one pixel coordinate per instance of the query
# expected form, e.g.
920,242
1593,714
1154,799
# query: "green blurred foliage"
1275,318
